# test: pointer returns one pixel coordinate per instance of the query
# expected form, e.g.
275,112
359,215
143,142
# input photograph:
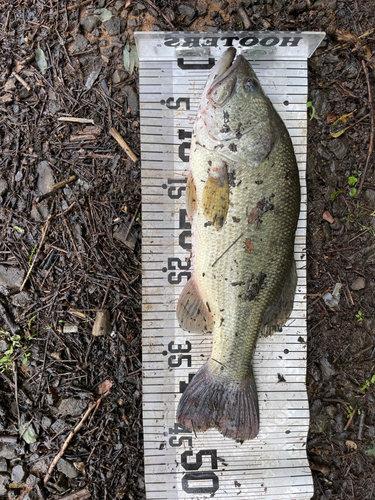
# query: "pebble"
22,299
327,369
358,284
102,325
41,465
339,147
369,194
320,101
132,99
11,278
72,406
3,186
80,43
89,23
58,426
67,468
112,26
4,483
3,465
45,177
120,234
336,224
3,347
187,11
18,474
11,450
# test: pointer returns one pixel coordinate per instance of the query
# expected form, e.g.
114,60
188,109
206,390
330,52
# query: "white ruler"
178,464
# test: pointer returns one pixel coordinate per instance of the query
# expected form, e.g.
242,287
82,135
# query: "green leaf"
103,14
337,134
310,105
371,451
352,181
373,379
19,229
29,434
131,61
32,253
40,59
334,194
353,191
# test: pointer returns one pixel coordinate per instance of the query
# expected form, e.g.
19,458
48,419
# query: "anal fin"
277,315
192,313
216,195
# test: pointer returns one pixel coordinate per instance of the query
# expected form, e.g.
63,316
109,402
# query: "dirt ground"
68,253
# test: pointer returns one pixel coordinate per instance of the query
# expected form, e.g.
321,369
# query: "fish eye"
250,85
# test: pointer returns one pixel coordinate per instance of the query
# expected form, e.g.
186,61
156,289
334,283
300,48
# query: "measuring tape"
179,464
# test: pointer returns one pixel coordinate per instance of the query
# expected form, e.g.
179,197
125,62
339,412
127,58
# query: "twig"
44,360
44,232
361,424
132,221
106,294
77,495
352,413
21,80
160,13
16,393
71,435
113,132
225,251
363,176
75,120
26,427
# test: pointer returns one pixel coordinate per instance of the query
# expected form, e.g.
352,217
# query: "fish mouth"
224,75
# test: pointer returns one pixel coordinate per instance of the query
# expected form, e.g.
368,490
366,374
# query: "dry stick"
371,128
71,435
225,251
361,424
132,221
160,12
113,132
44,232
21,80
16,393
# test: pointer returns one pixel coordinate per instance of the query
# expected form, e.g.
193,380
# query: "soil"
81,243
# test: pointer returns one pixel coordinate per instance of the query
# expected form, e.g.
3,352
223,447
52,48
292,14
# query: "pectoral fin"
192,313
191,196
216,195
276,317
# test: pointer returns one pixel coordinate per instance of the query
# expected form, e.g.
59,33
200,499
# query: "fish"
243,200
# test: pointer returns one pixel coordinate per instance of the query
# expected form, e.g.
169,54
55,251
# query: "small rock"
80,43
40,465
202,9
58,426
46,422
119,76
11,450
10,85
89,23
4,483
18,177
3,345
327,369
31,480
102,325
40,212
369,194
336,224
72,406
186,11
21,299
45,178
132,100
339,147
119,4
358,284
112,26
67,468
156,27
120,234
320,100
18,474
11,278
3,465
3,186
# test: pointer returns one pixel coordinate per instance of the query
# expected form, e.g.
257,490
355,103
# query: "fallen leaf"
344,118
103,14
104,386
248,245
328,217
41,61
351,444
130,59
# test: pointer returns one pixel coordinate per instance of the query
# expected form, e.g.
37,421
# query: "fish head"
235,115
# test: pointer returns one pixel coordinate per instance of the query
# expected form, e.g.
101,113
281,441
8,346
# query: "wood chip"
102,325
113,132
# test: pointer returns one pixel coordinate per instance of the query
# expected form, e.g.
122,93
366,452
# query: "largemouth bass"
243,198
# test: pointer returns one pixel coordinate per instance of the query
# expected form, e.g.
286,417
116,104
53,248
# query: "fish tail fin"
210,401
